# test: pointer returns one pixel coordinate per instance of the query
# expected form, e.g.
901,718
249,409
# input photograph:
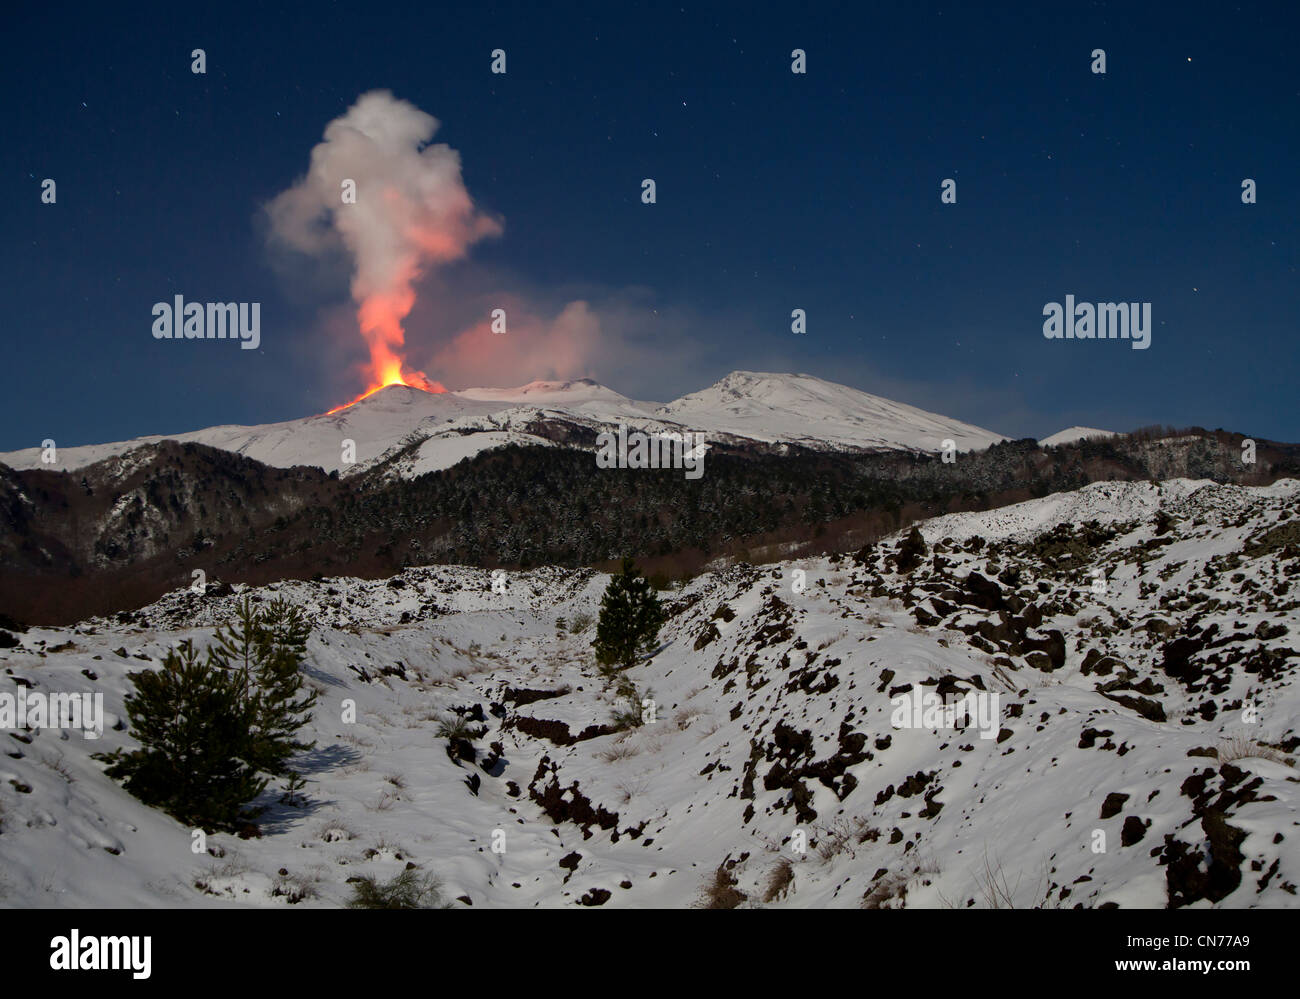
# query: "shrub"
630,715
409,890
621,750
720,892
779,880
892,886
293,889
458,727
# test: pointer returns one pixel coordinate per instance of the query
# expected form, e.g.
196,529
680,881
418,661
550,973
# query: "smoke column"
411,212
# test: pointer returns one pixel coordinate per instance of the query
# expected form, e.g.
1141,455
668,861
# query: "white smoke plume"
411,212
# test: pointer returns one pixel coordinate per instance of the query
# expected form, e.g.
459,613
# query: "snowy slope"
444,428
1072,434
436,445
433,447
582,397
807,410
1120,714
373,424
1104,502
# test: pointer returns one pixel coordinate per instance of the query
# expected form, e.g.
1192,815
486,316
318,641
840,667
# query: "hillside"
411,432
1126,628
801,409
118,534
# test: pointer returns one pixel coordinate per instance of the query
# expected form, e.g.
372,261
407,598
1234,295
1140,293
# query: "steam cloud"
412,211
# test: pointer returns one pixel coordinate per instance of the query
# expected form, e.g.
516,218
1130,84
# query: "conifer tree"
630,618
212,729
265,650
192,722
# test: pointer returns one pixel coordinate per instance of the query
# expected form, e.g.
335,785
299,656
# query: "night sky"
775,191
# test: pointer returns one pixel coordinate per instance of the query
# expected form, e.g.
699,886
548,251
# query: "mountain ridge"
764,407
116,534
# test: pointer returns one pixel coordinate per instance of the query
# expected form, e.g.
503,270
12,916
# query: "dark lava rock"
1112,805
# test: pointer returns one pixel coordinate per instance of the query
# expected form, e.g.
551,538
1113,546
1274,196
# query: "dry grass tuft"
780,880
719,891
1243,747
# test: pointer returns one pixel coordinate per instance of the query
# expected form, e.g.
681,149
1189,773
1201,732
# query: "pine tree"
209,728
265,650
630,618
192,722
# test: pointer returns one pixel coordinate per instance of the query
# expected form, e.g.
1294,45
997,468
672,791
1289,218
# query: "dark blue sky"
775,192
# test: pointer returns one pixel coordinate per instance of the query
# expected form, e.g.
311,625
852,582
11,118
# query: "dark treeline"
97,540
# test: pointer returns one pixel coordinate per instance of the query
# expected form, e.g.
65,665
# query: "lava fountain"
380,191
381,318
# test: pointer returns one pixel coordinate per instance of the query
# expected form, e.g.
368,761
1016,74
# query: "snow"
1104,502
1072,434
373,424
804,409
933,808
583,396
1108,501
446,448
769,408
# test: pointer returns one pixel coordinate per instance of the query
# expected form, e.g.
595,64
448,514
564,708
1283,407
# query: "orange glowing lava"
411,379
381,318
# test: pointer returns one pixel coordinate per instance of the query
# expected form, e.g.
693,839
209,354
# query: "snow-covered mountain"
805,410
1139,640
581,396
496,417
413,432
1071,434
375,422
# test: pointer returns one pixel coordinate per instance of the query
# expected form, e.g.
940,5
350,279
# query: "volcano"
436,429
